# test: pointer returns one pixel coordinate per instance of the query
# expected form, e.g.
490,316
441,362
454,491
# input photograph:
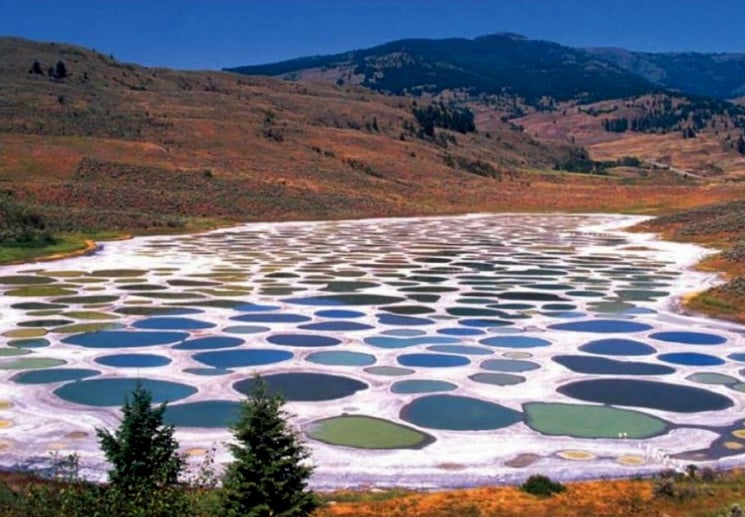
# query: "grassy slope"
721,226
274,150
593,498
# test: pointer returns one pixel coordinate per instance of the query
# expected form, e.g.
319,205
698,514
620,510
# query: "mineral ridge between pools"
403,346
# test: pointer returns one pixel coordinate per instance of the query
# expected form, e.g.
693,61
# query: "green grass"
63,243
713,302
364,432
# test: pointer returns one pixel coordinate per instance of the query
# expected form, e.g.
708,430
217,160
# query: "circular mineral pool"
31,363
388,371
224,359
605,366
253,307
209,343
432,360
395,342
515,342
133,360
112,392
339,314
602,326
168,323
156,311
484,323
346,299
53,375
509,365
461,331
404,332
29,343
689,338
497,379
617,346
740,357
336,326
245,329
460,349
124,339
207,372
365,432
341,358
304,387
691,359
271,317
450,412
712,378
584,421
649,394
302,340
394,319
421,386
205,413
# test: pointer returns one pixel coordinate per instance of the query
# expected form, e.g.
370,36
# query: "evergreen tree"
142,451
269,474
36,69
60,71
741,145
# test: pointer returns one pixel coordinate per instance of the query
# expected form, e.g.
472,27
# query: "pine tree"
60,71
741,145
36,69
142,451
269,474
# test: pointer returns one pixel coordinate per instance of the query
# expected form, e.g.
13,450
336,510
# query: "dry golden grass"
277,150
591,498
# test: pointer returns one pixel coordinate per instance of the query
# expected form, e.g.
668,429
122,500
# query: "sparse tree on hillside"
269,474
60,71
36,69
741,145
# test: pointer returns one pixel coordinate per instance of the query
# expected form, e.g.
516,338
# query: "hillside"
115,146
499,64
514,66
711,75
695,136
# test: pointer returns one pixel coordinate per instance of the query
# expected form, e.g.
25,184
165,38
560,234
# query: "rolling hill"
107,145
510,64
500,64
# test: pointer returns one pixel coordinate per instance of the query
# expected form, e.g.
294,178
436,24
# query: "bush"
540,485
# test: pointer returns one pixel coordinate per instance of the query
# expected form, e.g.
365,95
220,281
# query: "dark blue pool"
617,346
602,326
432,360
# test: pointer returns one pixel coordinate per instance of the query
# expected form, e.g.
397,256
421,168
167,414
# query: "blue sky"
210,34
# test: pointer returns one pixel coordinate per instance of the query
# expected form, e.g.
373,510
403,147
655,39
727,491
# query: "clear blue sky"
210,34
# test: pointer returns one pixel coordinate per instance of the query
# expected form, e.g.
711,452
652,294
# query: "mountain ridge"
484,64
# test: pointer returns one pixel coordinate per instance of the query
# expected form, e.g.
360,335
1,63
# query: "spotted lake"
431,351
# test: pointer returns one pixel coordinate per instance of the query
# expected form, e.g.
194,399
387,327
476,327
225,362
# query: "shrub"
540,485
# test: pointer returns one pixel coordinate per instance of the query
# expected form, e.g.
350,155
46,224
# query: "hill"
499,64
710,75
90,144
512,65
119,146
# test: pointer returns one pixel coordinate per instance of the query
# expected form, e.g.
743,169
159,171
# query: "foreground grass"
668,494
631,497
